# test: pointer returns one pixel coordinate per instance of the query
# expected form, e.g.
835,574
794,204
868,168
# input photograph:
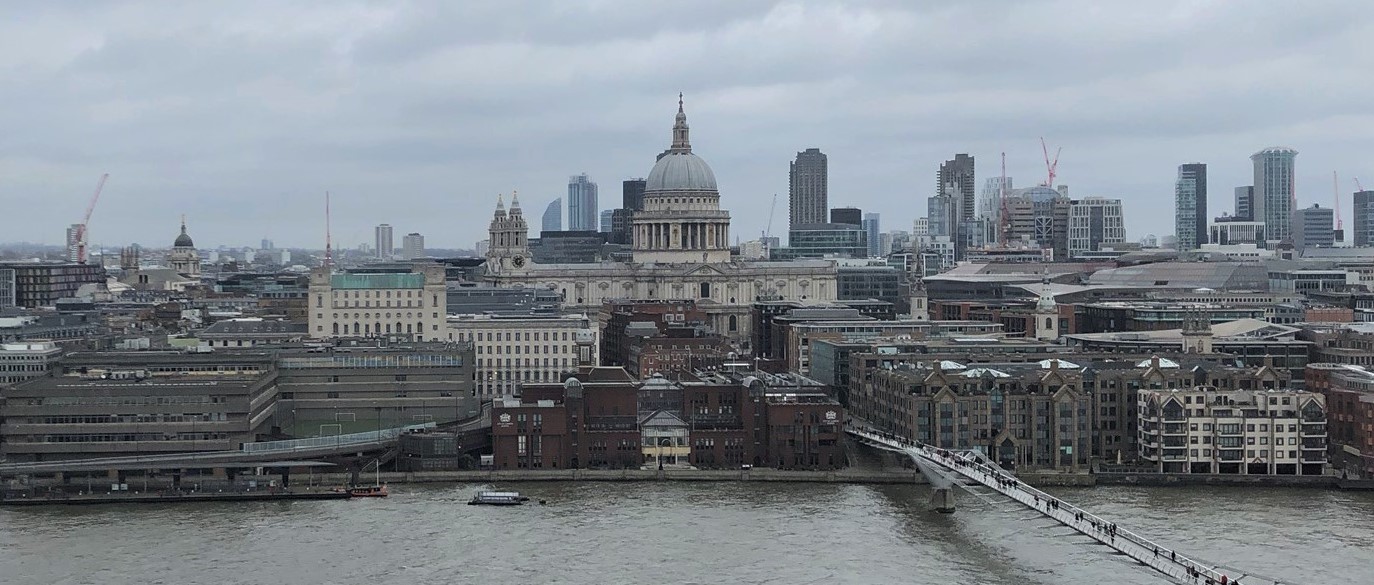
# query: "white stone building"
1255,432
513,350
184,258
681,250
404,305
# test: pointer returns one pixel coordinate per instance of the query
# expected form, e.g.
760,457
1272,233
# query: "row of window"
516,349
126,437
129,418
123,400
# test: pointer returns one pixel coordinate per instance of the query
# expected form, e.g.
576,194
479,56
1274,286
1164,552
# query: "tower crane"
1336,192
1050,166
773,210
86,220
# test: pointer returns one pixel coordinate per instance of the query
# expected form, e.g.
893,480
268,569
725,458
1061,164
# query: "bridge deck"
1171,563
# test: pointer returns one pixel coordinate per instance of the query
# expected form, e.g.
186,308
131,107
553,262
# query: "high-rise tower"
956,180
808,188
1274,192
553,217
384,241
1190,206
582,206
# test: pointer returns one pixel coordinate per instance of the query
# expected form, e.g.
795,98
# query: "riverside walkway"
972,466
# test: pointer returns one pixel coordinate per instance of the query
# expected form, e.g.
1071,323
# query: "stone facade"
404,305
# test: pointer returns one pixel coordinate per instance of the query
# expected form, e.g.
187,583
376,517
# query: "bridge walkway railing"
1171,563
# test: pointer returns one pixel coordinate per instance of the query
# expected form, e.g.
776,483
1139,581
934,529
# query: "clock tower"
509,247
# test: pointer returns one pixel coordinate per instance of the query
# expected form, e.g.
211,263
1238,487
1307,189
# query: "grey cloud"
241,115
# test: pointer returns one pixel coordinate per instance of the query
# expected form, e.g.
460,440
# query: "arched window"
705,290
336,329
733,323
355,328
1049,323
398,326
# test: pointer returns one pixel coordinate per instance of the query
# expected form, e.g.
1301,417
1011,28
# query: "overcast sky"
242,114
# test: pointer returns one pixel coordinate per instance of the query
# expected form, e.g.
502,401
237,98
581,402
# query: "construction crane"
1336,192
1003,214
86,220
1358,186
1050,166
771,212
328,244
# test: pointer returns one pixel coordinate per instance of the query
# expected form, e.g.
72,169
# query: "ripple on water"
709,533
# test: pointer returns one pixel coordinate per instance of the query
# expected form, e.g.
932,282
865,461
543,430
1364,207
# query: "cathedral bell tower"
508,238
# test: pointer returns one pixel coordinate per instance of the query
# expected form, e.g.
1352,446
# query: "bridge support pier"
942,499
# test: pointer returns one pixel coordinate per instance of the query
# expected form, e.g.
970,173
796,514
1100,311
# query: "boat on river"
498,499
368,491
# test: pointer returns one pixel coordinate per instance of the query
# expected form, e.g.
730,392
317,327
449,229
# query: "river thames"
680,532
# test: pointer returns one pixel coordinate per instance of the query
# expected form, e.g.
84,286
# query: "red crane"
1336,191
86,220
1050,166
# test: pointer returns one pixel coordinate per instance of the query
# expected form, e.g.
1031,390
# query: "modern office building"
1235,232
823,240
942,215
1250,432
412,246
383,247
41,284
632,194
847,215
872,230
74,243
990,202
7,286
1363,224
956,179
1190,206
808,188
1274,191
605,221
1095,222
553,216
582,205
404,305
1245,203
22,360
1312,228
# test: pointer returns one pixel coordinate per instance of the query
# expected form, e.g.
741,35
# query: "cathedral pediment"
703,270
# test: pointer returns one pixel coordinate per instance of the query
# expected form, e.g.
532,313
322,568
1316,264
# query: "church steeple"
514,203
500,206
681,143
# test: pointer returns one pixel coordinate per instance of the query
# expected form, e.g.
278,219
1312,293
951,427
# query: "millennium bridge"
973,471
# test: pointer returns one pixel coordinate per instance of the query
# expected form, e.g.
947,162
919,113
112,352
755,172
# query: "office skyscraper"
1245,203
1274,194
1190,206
1364,215
553,216
383,245
956,180
1312,228
808,190
582,209
74,243
605,219
870,225
632,194
412,246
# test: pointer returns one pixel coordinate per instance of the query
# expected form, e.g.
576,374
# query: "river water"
680,532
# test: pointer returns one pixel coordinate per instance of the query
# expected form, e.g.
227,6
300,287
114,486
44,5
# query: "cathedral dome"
183,240
680,172
678,169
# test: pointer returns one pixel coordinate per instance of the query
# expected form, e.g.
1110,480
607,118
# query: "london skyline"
416,117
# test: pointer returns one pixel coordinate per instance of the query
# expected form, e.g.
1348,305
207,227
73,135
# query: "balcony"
1314,456
1313,429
